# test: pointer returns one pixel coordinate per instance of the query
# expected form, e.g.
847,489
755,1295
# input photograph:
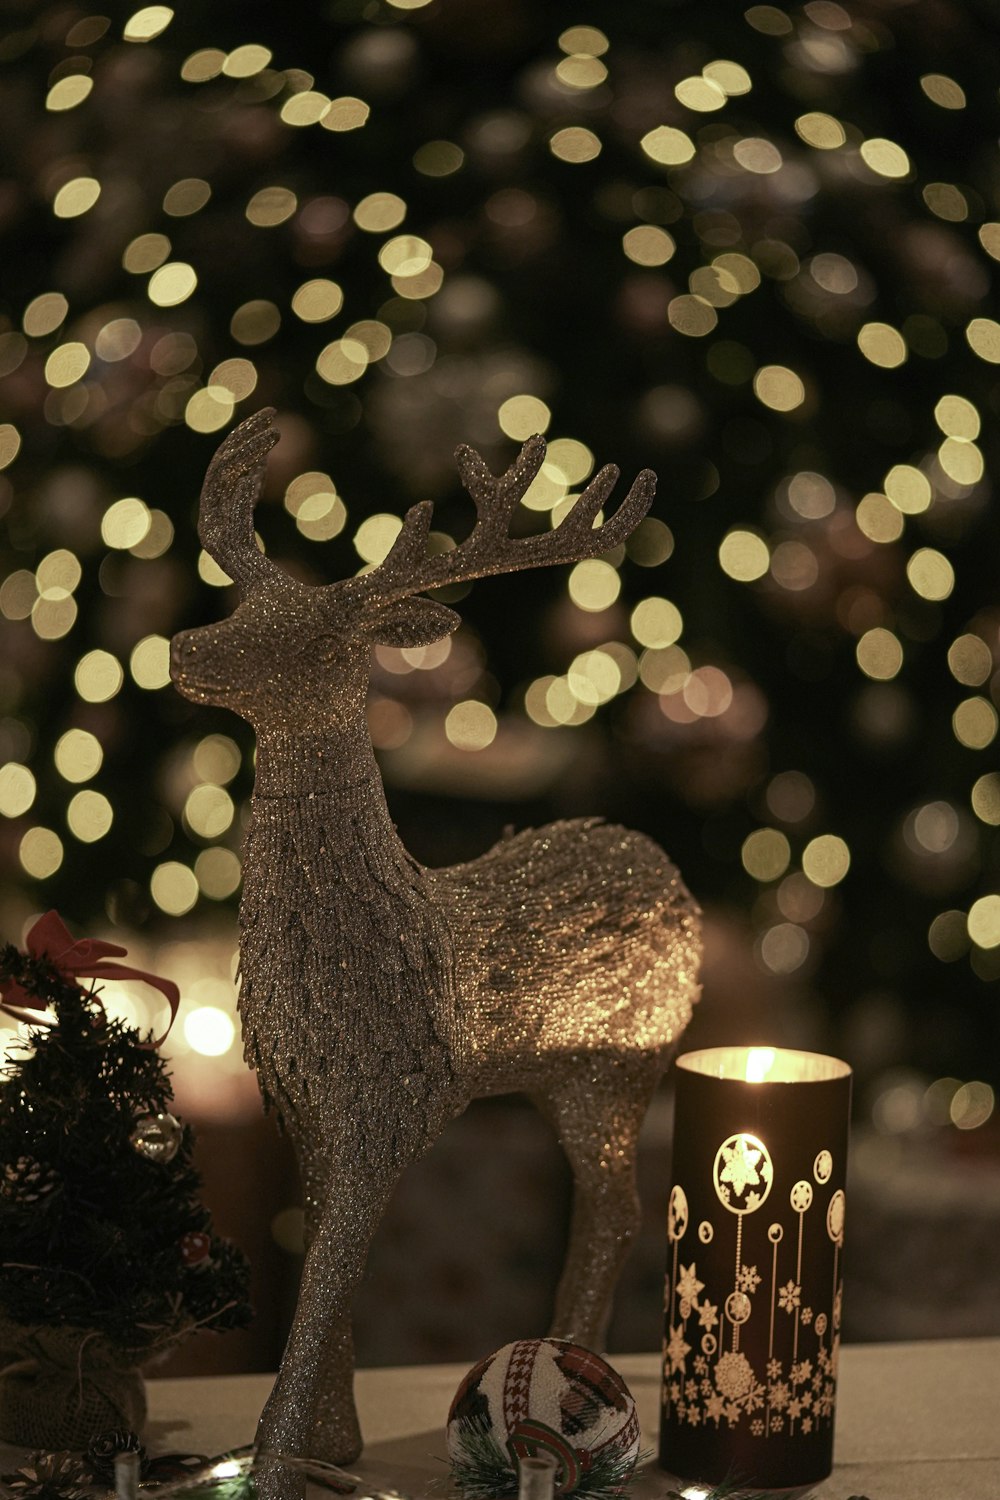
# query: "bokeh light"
594,585
765,854
761,267
78,755
826,860
174,888
17,789
89,816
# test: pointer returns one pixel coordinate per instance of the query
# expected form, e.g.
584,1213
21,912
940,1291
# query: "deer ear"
412,622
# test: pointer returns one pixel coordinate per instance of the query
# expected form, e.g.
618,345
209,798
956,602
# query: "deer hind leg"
597,1117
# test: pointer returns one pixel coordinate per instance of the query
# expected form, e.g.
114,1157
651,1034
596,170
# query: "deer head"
298,653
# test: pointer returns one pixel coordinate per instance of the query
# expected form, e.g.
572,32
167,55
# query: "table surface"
914,1421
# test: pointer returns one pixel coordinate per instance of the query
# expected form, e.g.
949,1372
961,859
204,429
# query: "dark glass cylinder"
755,1229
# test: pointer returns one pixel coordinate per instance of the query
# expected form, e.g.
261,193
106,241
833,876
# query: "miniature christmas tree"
108,1256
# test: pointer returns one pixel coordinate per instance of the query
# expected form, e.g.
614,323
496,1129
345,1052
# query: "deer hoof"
275,1481
337,1438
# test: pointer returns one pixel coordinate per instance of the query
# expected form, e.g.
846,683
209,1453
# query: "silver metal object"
536,1478
126,1475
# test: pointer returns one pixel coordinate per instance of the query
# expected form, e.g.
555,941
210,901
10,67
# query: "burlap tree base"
61,1387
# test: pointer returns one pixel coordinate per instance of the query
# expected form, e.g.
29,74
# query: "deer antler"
228,498
489,548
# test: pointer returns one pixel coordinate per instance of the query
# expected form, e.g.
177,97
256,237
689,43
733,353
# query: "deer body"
378,997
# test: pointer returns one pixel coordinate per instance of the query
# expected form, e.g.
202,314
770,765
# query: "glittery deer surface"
378,997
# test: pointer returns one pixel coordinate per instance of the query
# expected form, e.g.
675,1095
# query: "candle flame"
760,1061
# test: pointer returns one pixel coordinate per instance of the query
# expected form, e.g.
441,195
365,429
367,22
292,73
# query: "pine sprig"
483,1470
102,1248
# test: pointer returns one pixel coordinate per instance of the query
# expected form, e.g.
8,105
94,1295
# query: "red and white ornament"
548,1396
195,1248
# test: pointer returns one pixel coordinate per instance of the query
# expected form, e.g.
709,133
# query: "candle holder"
752,1307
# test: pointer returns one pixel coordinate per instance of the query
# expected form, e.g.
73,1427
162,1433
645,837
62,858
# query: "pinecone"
27,1180
104,1449
48,1476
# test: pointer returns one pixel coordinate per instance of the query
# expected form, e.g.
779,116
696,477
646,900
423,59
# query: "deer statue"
378,997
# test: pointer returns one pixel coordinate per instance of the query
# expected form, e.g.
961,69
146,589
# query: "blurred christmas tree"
103,1234
752,248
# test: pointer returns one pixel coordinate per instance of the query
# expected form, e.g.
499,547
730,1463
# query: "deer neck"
323,791
323,762
327,777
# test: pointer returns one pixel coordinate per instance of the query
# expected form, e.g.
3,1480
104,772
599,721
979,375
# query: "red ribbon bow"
79,958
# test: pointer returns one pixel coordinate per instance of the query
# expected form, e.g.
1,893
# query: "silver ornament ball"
157,1137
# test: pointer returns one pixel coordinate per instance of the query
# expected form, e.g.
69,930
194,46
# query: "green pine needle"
100,1247
483,1470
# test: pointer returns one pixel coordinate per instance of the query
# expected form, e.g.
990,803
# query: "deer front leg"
311,1411
336,1434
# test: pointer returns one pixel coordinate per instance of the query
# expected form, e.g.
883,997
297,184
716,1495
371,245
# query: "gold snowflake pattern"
802,1394
720,1385
677,1349
734,1375
714,1406
708,1316
740,1167
748,1279
789,1296
688,1286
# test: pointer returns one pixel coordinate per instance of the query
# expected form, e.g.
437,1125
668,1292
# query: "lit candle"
755,1227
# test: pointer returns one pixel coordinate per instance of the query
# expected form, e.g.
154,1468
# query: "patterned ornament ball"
543,1397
